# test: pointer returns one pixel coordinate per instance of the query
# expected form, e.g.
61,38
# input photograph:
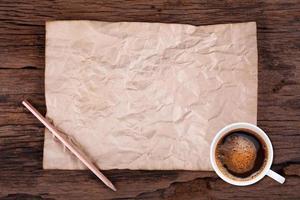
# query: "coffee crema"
241,154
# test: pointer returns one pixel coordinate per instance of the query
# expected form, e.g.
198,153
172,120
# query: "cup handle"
276,176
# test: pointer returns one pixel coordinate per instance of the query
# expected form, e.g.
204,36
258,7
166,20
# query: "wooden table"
22,40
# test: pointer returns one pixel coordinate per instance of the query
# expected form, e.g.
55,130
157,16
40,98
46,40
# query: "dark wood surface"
22,40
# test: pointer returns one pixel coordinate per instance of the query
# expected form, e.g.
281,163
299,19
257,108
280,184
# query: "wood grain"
22,39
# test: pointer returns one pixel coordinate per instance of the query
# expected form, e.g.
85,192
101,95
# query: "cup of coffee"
242,154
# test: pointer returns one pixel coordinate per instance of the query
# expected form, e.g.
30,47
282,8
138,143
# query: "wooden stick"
74,149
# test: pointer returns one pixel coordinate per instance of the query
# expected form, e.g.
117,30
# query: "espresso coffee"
241,154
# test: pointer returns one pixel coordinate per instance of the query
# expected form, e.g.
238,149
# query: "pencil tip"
109,184
113,187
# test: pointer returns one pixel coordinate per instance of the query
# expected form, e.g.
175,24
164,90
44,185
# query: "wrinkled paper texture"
146,95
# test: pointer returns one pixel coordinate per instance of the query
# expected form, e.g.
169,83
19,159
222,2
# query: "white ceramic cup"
267,168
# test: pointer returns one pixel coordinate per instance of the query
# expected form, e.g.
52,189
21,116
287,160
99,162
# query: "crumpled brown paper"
146,95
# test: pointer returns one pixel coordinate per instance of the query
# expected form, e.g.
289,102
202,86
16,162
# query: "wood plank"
22,76
22,174
22,177
54,184
292,170
217,189
25,22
